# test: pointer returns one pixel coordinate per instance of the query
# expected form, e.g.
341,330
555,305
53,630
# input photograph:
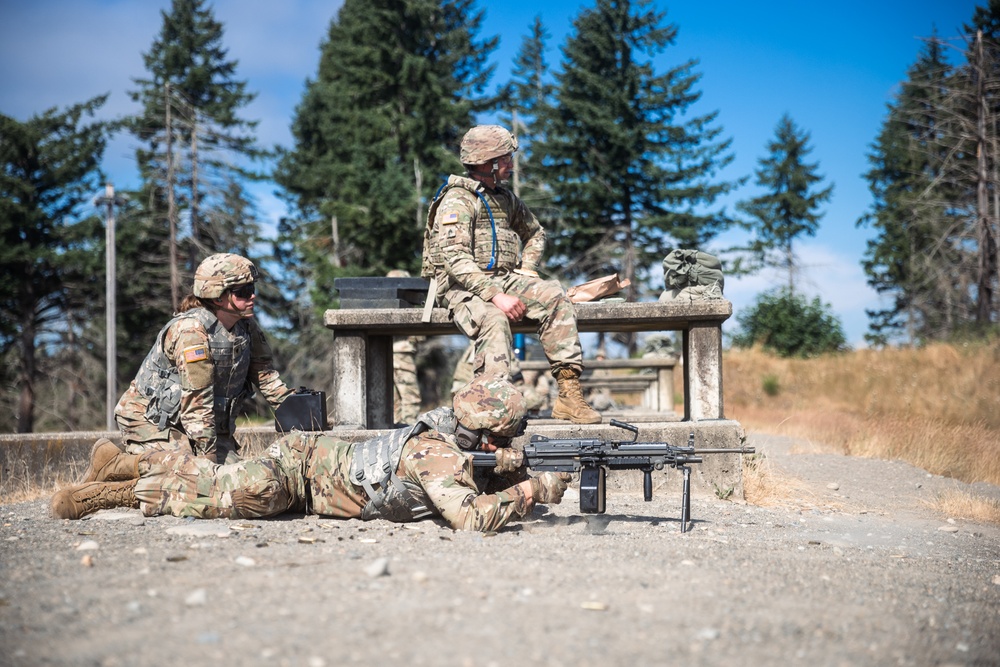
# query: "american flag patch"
450,219
196,353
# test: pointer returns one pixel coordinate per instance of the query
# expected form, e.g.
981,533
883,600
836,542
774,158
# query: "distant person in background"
203,364
406,400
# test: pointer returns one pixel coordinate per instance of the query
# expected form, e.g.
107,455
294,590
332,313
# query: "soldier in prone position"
483,247
204,362
429,473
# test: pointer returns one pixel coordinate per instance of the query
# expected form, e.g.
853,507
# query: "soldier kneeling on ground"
429,473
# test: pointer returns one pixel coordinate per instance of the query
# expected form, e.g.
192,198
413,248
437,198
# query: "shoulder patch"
449,219
195,353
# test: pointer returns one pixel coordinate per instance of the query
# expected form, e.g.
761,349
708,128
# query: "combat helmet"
489,403
220,272
486,142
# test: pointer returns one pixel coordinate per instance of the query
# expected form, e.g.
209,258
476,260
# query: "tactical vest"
159,381
495,245
374,465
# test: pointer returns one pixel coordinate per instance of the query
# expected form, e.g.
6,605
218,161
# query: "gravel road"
855,568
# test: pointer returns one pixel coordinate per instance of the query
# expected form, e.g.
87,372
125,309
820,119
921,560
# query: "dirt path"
861,574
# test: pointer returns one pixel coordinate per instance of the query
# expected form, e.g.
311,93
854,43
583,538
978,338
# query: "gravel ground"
854,569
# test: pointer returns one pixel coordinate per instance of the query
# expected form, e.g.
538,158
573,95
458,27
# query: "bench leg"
703,373
362,384
349,380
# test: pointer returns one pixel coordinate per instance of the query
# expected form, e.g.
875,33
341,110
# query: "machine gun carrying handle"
625,425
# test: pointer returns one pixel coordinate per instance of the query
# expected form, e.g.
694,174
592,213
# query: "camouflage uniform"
307,472
194,379
486,241
406,400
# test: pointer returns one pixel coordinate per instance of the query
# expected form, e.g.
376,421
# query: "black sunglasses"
244,291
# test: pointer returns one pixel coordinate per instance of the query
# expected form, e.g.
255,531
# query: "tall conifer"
631,172
789,207
376,134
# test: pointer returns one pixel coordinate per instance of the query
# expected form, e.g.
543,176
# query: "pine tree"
50,248
910,258
196,150
630,171
790,206
376,134
530,97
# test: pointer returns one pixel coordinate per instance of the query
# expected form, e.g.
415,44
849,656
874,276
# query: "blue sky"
833,67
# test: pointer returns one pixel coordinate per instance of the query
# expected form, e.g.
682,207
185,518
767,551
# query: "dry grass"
964,506
937,407
767,487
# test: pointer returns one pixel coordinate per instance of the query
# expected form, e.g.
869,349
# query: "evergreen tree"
789,207
790,326
376,133
910,259
530,97
631,173
51,251
196,150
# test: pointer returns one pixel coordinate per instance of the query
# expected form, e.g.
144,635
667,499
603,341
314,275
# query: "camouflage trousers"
405,385
181,484
301,472
487,326
139,436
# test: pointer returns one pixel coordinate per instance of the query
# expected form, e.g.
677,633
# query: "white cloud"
837,279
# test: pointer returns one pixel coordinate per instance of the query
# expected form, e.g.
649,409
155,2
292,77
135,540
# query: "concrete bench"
362,344
657,389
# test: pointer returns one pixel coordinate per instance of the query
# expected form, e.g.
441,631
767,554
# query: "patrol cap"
491,403
486,142
220,272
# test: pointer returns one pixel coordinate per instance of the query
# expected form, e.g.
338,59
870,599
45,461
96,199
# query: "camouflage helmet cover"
220,272
492,403
486,142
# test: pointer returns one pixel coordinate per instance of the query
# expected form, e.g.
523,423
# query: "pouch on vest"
304,410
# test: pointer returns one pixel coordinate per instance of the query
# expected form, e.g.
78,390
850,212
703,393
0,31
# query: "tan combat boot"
570,404
110,464
78,501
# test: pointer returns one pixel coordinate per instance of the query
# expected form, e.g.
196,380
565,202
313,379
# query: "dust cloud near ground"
853,567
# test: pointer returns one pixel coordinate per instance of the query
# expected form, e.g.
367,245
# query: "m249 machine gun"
593,457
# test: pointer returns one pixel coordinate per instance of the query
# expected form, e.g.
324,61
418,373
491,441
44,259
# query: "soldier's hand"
510,305
549,487
508,460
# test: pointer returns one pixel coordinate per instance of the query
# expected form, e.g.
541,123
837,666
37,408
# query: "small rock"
833,486
708,634
593,605
196,598
87,560
419,576
245,561
199,530
88,545
378,568
948,529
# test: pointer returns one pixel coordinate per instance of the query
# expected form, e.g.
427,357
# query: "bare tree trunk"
984,231
418,182
26,378
171,208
